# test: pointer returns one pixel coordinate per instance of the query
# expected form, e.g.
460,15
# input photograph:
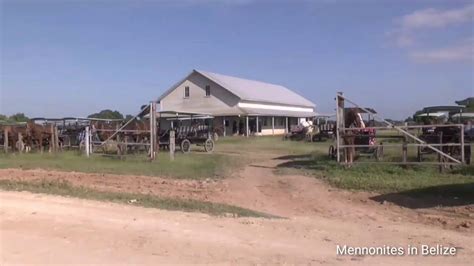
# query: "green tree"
107,114
18,117
3,117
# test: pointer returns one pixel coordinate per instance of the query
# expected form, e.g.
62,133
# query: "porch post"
273,125
286,125
247,126
223,123
256,131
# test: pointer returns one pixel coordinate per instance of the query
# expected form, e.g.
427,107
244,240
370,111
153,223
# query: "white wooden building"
239,106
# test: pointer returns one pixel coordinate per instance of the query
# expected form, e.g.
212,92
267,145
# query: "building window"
208,90
186,92
265,121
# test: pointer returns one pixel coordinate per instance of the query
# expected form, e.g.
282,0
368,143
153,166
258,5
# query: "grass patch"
190,166
375,177
64,188
269,144
231,154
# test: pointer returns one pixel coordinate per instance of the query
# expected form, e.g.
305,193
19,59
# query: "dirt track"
42,229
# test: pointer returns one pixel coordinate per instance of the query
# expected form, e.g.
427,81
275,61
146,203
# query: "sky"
76,57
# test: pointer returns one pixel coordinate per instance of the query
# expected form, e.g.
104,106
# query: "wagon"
189,128
443,132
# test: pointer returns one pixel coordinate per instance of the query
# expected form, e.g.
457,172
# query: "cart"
190,129
442,133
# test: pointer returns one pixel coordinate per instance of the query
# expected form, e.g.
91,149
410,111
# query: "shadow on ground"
443,195
304,161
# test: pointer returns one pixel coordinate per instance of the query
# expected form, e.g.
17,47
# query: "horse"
352,119
143,134
40,135
16,135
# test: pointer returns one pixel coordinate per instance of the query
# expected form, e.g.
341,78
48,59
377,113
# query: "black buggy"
189,129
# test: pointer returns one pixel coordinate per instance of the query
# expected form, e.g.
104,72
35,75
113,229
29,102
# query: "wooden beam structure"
341,132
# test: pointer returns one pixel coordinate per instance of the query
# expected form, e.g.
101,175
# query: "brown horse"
352,120
39,135
104,129
142,136
16,135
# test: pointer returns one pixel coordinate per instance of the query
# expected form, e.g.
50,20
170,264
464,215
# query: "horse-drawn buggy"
445,129
188,129
303,131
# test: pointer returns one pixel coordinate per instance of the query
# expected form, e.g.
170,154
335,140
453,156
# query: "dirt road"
49,229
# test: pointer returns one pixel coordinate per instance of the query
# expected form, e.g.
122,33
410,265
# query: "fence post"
404,150
339,123
20,144
172,145
152,131
5,141
87,141
463,160
440,158
56,138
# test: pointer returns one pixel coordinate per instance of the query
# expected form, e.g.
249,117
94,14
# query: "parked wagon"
189,129
442,132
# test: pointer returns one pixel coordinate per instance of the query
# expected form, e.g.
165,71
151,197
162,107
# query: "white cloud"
212,2
409,25
459,52
434,18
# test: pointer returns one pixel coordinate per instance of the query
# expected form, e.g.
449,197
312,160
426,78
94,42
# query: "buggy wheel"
209,145
185,146
379,152
332,152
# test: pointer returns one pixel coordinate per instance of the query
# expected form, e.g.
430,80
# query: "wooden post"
286,125
20,145
463,160
56,138
440,158
51,140
404,150
223,124
273,125
172,144
5,141
339,123
87,141
152,131
256,130
247,126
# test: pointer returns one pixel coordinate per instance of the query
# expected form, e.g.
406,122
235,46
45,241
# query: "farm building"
239,106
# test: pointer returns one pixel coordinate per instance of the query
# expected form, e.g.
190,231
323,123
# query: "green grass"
268,145
192,166
234,152
63,188
375,177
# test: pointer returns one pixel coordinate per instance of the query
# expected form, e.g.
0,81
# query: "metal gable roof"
257,91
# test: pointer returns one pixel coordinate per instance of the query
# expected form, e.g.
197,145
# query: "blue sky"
72,57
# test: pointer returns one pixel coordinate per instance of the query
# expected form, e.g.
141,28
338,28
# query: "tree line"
104,114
